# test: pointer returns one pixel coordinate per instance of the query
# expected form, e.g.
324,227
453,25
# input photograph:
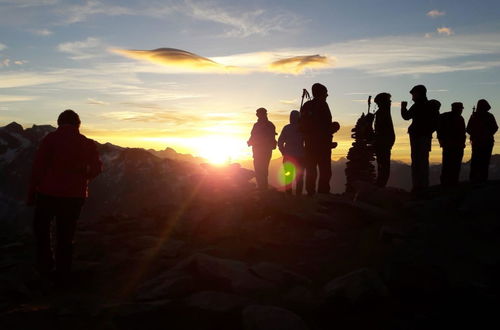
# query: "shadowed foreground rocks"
237,261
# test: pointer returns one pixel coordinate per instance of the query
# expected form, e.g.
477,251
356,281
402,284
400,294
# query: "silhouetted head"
418,93
483,106
383,100
261,113
68,117
434,105
294,117
319,91
457,107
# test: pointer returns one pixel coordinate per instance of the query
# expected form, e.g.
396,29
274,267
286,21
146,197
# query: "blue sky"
224,59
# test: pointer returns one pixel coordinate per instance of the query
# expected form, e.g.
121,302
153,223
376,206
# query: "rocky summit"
169,244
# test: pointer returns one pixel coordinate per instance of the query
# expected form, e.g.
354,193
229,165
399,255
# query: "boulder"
166,288
277,274
232,274
215,301
260,317
356,286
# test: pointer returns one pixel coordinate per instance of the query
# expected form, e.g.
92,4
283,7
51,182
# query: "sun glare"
221,149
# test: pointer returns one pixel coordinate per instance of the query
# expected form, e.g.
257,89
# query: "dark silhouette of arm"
94,162
282,140
407,114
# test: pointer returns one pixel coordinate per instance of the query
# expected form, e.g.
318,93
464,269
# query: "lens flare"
287,174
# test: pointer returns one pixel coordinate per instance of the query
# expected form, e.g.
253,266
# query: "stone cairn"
359,165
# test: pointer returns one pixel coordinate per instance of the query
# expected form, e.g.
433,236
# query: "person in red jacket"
64,164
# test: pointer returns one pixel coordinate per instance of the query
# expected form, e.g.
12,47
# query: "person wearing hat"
424,115
263,142
316,125
481,127
384,138
64,164
451,136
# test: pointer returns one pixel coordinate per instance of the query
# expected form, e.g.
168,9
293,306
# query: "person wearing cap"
263,142
291,146
424,115
451,136
481,127
64,164
384,138
316,125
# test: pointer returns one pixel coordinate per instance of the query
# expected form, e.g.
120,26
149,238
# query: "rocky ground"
234,260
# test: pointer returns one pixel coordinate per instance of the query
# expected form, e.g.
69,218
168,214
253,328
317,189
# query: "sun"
221,150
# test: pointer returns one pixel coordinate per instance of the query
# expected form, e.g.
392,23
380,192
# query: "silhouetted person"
451,136
291,146
316,125
263,141
425,116
384,138
481,127
64,164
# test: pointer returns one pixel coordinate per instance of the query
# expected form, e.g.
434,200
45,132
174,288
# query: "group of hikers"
66,160
306,142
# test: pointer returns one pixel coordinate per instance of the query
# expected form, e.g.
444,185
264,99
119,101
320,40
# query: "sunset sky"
190,74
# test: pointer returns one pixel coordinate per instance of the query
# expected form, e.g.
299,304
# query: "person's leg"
311,172
414,162
325,170
485,161
383,166
426,148
41,228
300,176
446,167
257,165
288,174
473,175
68,212
456,164
265,167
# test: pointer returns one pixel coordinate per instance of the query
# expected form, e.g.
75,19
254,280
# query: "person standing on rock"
451,136
481,127
316,125
424,115
63,166
263,142
384,138
291,146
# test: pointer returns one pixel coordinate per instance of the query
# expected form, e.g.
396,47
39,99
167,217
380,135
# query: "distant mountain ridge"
133,179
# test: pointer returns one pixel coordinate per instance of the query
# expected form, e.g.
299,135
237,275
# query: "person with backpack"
451,136
263,142
64,164
291,146
481,127
316,125
424,115
384,138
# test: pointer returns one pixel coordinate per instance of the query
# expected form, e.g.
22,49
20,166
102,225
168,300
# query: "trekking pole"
369,103
305,94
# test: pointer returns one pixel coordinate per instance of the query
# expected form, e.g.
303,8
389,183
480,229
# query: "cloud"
42,32
12,80
435,13
79,13
177,58
80,50
298,64
5,62
15,98
96,102
2,46
28,3
445,31
242,23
